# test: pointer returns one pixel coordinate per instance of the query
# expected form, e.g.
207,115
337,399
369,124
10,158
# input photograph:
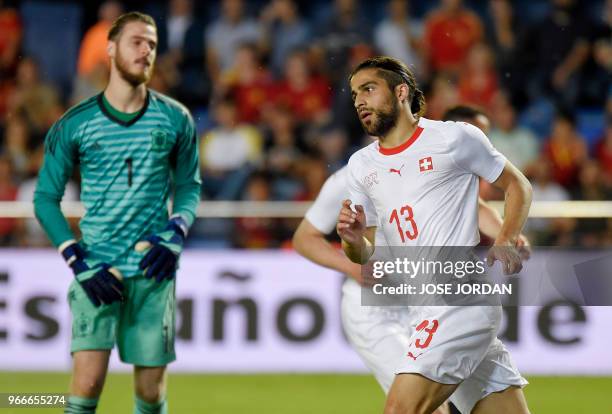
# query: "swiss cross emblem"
425,164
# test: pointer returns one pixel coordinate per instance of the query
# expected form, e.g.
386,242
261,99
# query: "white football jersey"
425,191
323,213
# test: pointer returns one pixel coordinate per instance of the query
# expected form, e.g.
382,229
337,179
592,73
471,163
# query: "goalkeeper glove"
161,259
101,282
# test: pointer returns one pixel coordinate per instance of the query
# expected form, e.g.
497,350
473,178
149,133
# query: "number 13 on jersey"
404,220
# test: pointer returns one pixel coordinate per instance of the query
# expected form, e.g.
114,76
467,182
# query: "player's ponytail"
417,105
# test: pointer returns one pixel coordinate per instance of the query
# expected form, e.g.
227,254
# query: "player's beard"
385,120
132,78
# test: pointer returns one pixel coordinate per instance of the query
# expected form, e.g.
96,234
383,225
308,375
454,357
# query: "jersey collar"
119,121
401,147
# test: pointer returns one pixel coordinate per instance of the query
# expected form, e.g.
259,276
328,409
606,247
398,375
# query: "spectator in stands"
181,44
332,143
10,39
545,189
7,87
36,100
590,183
339,33
249,82
284,30
307,95
313,172
603,153
595,80
226,34
400,36
566,150
16,142
558,47
450,32
518,144
8,192
478,77
93,51
504,31
257,232
443,94
228,152
282,142
590,232
94,82
166,76
30,232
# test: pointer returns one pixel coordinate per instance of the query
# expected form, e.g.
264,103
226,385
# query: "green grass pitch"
298,394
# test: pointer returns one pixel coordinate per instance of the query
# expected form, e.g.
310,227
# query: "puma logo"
399,172
411,355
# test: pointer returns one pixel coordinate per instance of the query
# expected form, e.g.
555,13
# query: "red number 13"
406,213
430,330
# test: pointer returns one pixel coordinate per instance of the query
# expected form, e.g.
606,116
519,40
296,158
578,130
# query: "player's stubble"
385,119
133,78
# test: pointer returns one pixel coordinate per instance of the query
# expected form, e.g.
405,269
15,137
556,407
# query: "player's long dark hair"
395,72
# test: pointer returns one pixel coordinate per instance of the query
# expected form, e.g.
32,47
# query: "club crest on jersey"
425,164
370,179
158,139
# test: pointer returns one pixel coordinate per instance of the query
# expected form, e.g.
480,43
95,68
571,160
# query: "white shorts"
458,345
380,335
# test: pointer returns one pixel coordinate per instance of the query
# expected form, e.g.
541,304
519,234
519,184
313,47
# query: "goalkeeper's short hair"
121,21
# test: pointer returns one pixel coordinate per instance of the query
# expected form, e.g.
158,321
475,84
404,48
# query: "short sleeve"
323,213
474,153
358,194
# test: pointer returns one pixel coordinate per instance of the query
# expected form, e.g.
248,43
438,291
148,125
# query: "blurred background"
266,82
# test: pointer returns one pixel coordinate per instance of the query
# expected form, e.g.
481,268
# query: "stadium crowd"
267,84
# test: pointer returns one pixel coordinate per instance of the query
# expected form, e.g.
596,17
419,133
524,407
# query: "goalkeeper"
134,147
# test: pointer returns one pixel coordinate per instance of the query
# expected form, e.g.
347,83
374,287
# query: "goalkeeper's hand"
101,282
163,250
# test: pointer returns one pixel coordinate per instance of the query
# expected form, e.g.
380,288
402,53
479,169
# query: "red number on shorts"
424,326
406,213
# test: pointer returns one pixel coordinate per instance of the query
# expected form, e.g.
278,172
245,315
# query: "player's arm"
187,181
164,248
518,194
474,153
311,243
101,283
489,220
490,223
58,165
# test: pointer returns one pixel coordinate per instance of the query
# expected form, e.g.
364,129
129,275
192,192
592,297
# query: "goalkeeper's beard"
132,78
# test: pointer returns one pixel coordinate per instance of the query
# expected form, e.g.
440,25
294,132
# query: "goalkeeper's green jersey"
128,172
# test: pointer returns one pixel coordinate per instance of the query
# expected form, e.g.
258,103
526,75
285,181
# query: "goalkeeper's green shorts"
142,326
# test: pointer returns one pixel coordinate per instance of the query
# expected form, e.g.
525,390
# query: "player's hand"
351,225
508,256
524,247
101,282
163,250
